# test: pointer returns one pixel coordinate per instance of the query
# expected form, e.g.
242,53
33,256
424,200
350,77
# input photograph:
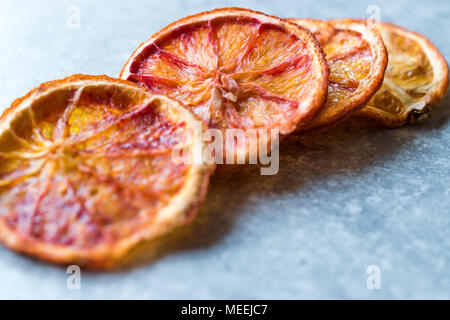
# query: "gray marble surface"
347,200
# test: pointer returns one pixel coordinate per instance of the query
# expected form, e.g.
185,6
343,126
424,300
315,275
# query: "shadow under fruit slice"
235,69
416,78
357,58
86,171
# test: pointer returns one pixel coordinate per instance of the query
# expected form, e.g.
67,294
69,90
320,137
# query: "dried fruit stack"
87,168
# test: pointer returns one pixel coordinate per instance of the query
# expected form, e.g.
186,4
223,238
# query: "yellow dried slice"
416,78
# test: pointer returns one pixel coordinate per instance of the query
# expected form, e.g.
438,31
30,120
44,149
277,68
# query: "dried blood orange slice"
86,170
357,58
416,78
235,68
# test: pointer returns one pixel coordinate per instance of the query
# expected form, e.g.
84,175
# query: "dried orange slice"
86,170
416,78
235,68
357,58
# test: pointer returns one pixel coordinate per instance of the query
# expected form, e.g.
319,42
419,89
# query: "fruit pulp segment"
350,60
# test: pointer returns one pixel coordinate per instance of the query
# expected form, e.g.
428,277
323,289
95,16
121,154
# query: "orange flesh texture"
232,73
350,59
408,77
86,167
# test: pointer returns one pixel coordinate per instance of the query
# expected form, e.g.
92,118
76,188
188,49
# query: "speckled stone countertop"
346,200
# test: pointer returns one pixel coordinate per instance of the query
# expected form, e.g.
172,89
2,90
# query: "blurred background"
355,199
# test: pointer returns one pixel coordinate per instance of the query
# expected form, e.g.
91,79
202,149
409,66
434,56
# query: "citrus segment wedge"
416,78
86,170
235,68
357,58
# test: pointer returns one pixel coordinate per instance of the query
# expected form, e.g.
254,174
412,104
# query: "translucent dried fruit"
235,68
416,78
86,170
357,58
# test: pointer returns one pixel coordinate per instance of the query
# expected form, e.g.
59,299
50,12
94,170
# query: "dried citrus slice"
416,78
357,58
235,68
86,170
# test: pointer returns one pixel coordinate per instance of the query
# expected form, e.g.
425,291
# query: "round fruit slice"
416,78
235,69
86,170
357,58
